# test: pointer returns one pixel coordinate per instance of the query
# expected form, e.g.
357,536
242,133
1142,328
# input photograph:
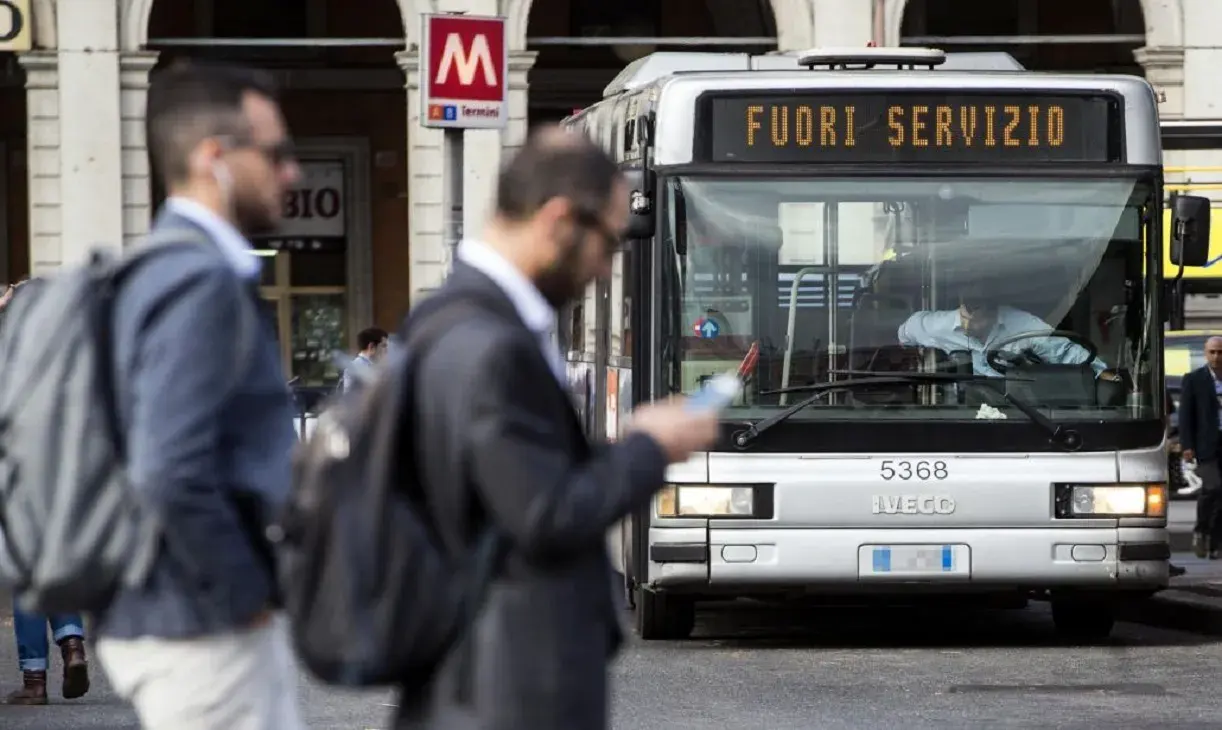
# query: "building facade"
366,233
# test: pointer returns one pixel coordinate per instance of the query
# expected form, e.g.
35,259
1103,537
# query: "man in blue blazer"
1200,436
207,418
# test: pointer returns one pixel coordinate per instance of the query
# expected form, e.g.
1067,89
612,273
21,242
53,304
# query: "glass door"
307,294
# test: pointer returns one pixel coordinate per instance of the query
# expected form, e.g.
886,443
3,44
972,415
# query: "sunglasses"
280,153
611,240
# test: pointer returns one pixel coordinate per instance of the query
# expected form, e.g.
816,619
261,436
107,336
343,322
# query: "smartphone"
717,395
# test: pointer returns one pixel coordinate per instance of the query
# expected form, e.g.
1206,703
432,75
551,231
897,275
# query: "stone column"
426,216
43,158
831,23
1165,71
486,149
91,167
134,68
520,64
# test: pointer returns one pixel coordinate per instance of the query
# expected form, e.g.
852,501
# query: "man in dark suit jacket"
503,446
1200,435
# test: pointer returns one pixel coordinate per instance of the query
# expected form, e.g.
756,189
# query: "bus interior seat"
874,332
1056,385
804,368
1112,393
874,345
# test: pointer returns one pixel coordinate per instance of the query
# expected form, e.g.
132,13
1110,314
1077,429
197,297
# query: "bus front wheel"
1083,620
660,617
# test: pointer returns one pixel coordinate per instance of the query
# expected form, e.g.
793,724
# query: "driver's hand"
1111,375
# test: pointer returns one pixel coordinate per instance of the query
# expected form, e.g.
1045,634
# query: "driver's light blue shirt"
944,331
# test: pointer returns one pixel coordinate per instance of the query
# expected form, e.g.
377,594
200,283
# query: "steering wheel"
1003,361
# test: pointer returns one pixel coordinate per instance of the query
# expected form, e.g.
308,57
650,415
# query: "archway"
1163,26
583,45
339,263
135,18
1092,36
15,128
16,70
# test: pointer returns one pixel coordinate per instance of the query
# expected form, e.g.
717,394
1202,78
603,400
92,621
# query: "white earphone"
224,181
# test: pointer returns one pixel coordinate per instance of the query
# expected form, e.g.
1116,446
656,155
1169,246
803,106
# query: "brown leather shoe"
76,667
33,690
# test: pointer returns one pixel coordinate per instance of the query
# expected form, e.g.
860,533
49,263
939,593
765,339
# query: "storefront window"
318,331
306,273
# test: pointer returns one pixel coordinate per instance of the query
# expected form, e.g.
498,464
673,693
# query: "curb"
1179,610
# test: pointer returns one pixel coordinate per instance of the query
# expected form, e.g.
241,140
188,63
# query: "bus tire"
660,617
1083,620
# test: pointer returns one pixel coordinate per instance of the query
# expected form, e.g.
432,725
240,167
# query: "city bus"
790,215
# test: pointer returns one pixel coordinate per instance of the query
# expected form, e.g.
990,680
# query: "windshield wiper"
1068,439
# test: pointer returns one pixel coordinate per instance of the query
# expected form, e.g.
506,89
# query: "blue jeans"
31,631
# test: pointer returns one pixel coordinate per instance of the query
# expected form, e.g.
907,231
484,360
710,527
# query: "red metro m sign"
463,77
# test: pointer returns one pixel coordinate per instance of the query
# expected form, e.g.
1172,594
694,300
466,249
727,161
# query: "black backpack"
372,597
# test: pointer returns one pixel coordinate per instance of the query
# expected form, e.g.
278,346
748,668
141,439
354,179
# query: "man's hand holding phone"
683,426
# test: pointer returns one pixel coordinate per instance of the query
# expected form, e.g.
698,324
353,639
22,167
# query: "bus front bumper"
850,560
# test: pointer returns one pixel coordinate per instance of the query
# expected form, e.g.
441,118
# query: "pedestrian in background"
1200,439
30,632
207,418
33,655
372,343
501,449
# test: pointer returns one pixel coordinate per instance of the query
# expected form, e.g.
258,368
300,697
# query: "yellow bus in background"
1180,140
1183,352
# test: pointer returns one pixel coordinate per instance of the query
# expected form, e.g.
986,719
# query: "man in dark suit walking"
503,446
1200,436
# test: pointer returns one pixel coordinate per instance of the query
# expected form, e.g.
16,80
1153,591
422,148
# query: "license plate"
907,561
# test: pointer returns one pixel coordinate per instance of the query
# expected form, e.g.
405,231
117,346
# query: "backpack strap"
158,243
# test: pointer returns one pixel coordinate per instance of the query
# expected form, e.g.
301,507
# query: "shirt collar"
232,243
534,310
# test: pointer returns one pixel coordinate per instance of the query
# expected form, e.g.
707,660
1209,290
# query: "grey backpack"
72,529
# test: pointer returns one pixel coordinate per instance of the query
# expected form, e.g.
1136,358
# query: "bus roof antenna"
867,58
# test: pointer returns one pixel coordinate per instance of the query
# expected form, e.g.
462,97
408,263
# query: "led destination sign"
906,127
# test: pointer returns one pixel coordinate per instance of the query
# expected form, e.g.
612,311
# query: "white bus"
791,215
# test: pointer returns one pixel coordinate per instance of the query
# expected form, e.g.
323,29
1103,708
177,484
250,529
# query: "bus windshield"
1040,282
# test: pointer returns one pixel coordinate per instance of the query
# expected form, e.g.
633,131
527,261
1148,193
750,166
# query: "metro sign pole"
465,74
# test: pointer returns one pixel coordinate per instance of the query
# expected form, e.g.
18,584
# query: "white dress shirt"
232,243
944,331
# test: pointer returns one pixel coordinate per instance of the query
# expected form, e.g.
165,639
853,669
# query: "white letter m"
455,55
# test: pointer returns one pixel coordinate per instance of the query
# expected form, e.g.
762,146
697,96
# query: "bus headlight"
701,500
1114,500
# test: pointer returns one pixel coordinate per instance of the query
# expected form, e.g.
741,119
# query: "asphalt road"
1181,515
763,668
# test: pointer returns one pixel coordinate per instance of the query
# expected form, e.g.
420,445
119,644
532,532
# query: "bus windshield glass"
1039,282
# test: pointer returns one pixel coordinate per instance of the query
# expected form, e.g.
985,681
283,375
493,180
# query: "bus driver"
979,323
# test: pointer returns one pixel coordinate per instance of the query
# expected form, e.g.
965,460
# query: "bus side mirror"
1189,230
640,205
